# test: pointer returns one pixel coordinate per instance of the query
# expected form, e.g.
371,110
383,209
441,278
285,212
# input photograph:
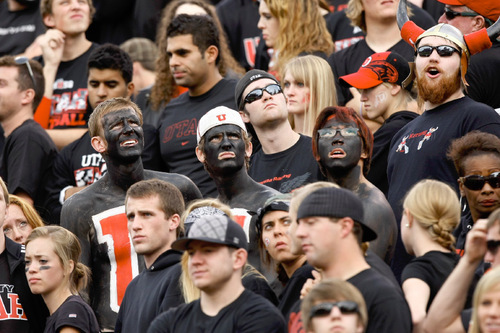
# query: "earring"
463,205
407,225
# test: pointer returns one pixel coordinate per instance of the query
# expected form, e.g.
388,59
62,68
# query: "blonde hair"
488,283
67,248
316,74
436,208
32,217
302,29
6,195
332,290
108,106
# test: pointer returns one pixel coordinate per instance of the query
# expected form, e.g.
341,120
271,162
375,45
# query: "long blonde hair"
436,208
488,283
302,29
317,75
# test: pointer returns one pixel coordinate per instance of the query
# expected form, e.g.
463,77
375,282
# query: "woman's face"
277,242
486,199
488,311
44,269
268,24
297,93
336,321
16,226
376,100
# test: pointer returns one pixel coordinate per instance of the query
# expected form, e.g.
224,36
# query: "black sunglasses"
476,182
442,50
324,309
257,94
492,246
451,14
26,61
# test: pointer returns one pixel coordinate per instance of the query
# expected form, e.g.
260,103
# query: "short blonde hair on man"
108,106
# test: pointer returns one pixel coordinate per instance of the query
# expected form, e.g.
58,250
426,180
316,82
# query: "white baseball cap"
221,115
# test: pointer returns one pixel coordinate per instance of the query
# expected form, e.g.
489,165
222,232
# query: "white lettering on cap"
256,76
367,62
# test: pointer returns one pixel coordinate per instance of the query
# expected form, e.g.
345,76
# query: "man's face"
493,257
267,111
188,65
150,230
123,134
318,236
72,17
104,84
210,265
339,153
224,150
463,23
438,77
10,94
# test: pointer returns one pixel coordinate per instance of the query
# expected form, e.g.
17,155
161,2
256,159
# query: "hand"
52,44
475,243
310,283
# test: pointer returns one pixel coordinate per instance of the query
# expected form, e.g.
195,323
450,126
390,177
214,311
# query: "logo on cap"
367,62
221,117
254,77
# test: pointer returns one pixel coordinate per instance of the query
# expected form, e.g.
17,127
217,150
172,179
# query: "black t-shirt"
291,293
69,99
239,20
460,233
433,268
27,160
177,132
288,169
74,312
18,29
248,313
381,144
386,305
13,319
483,76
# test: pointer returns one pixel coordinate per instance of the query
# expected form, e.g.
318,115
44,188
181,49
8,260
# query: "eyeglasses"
476,182
451,14
492,246
331,132
26,61
257,94
324,309
442,50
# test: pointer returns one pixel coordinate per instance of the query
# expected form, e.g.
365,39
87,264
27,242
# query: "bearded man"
441,62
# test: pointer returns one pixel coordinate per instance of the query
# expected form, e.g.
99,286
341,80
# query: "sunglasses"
26,61
324,309
257,94
442,50
331,132
476,182
451,14
492,246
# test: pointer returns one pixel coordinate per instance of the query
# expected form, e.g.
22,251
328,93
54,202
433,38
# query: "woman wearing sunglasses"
431,213
334,306
477,160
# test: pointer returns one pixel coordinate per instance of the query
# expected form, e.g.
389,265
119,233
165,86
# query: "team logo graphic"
402,147
427,136
221,117
384,70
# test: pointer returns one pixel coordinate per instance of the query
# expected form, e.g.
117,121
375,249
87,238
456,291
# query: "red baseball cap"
487,8
380,67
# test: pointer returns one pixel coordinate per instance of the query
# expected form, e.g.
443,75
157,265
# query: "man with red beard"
440,66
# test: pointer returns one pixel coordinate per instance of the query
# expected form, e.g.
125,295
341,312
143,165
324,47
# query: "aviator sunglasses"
442,50
26,61
324,309
476,182
257,94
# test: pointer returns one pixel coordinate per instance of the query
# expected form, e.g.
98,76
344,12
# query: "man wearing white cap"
224,148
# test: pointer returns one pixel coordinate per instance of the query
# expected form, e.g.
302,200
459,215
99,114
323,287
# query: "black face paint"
339,154
224,149
124,135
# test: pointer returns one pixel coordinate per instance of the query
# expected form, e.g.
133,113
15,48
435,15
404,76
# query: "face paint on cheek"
267,242
45,267
380,98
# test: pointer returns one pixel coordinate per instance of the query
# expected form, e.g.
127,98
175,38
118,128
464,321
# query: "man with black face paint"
342,146
224,149
97,213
